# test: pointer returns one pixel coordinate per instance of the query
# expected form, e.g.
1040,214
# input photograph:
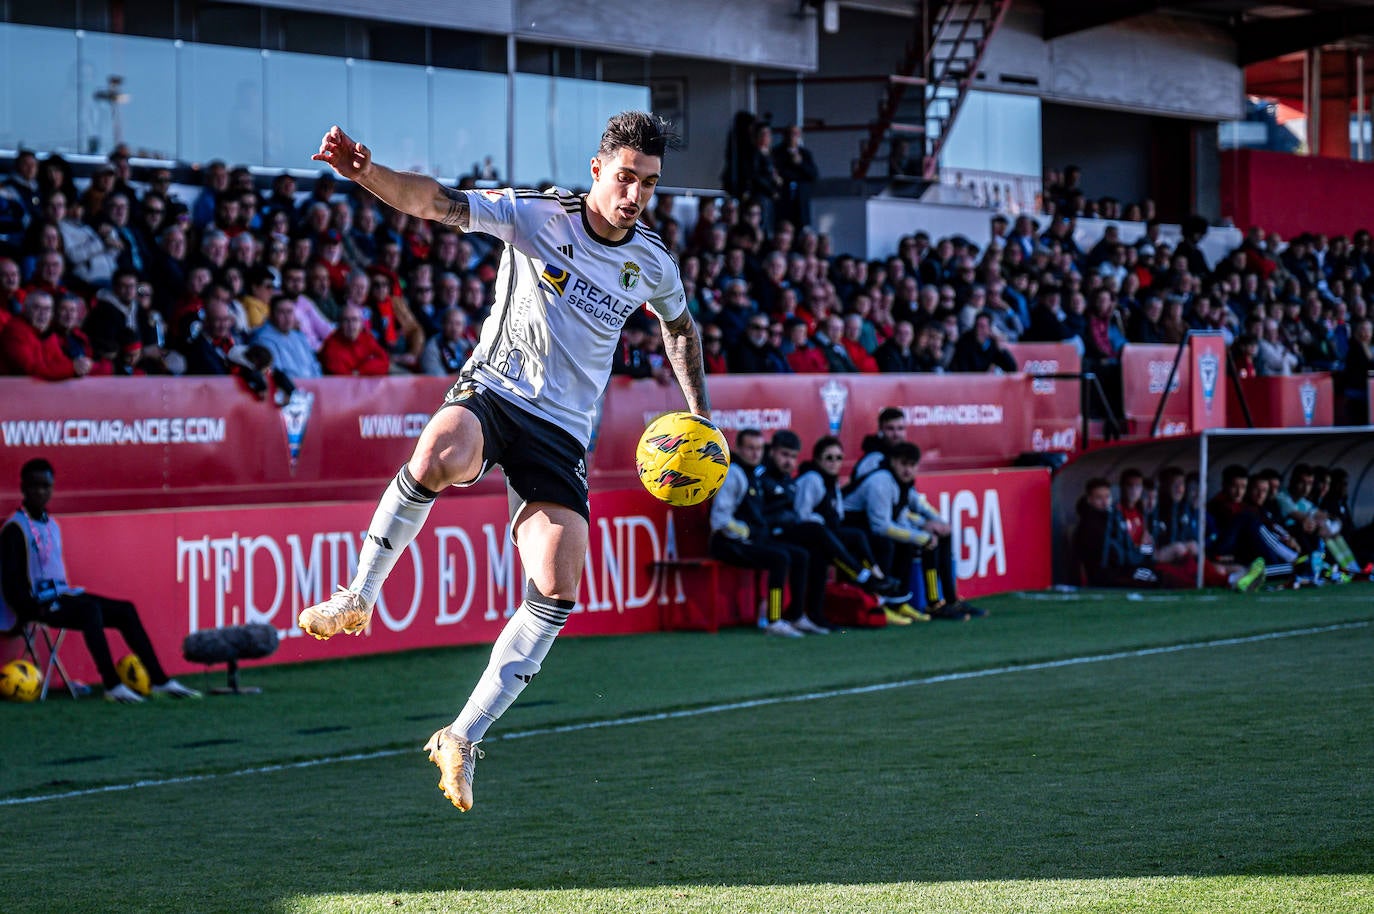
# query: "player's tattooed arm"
682,344
453,207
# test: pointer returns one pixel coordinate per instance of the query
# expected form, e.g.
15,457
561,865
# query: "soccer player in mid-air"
573,269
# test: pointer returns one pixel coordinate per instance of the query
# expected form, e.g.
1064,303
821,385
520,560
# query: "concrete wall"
470,15
1178,67
763,32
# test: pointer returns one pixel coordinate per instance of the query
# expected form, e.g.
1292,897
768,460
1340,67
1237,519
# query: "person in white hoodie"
901,521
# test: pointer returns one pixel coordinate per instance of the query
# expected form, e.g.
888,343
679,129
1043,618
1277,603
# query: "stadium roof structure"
1263,31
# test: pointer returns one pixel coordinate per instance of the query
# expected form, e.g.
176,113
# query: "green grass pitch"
1087,753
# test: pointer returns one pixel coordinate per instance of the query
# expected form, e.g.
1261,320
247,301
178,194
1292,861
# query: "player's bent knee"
449,451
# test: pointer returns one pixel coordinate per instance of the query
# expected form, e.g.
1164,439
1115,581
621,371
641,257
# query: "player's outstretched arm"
682,344
418,195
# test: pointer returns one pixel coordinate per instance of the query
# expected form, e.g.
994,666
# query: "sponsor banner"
1144,375
1287,401
1056,420
456,584
170,442
1207,405
152,443
1000,521
958,420
461,579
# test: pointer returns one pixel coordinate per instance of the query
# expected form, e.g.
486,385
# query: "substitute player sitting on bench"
34,575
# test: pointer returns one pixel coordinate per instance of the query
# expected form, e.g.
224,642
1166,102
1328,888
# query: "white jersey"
562,295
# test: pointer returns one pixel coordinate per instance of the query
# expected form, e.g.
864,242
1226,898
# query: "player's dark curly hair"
637,130
33,467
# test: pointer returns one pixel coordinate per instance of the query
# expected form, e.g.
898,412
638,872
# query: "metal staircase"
927,88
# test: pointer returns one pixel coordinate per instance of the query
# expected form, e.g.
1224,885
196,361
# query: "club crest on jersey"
629,277
554,279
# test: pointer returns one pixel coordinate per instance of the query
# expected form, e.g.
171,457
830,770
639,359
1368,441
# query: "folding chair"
33,633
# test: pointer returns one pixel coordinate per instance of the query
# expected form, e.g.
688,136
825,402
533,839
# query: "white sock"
515,659
400,514
1233,577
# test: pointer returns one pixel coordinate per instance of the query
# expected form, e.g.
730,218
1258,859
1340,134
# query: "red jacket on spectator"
338,273
363,356
860,356
74,343
23,351
808,361
715,364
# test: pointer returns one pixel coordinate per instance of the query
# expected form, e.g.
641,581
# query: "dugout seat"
34,634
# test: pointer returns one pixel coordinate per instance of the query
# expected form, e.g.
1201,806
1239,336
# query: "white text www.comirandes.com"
392,425
102,432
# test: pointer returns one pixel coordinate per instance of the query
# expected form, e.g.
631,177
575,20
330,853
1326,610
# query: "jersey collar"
591,233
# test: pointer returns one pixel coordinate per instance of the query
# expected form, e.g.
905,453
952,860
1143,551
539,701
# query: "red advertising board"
1207,403
189,570
958,420
1197,397
1055,420
123,443
1144,376
167,442
1285,401
456,584
1001,527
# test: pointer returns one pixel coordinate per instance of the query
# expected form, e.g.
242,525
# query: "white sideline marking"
716,709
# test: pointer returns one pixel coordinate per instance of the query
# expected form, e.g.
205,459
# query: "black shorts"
542,462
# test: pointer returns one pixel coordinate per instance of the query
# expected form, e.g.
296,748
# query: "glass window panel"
996,132
306,94
221,104
469,121
147,70
1013,130
39,88
558,125
966,144
388,110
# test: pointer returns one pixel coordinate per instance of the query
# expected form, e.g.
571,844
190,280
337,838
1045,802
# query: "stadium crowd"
122,276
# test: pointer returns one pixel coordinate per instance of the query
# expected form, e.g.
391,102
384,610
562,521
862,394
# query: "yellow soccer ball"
134,674
682,458
20,681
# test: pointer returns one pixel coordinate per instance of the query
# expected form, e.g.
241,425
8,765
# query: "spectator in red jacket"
853,344
350,350
27,347
713,350
68,317
804,357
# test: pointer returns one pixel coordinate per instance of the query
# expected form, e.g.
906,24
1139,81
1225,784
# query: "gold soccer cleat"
457,758
344,612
